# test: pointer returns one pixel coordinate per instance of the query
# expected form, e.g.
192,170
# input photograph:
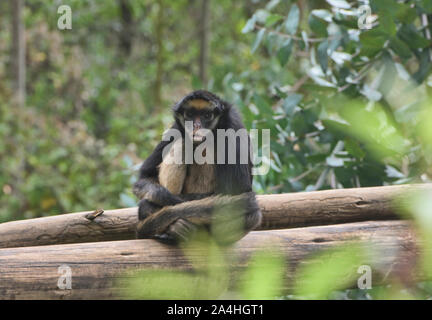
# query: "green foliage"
263,279
350,127
331,270
38,178
89,118
347,107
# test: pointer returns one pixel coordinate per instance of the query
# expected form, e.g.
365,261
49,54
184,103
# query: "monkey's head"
203,109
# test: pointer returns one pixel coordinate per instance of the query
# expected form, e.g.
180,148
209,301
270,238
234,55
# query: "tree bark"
204,34
32,272
279,211
127,32
18,52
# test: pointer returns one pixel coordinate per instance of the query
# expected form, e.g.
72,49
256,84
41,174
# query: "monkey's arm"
146,207
235,215
147,187
195,196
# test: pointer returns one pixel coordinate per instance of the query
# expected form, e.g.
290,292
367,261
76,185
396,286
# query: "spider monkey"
176,199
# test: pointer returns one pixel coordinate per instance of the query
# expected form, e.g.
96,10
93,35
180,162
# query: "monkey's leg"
182,229
234,215
146,208
179,231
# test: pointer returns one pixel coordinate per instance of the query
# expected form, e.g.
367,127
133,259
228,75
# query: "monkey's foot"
179,231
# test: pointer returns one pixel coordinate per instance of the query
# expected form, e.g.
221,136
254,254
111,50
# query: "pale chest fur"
182,178
199,179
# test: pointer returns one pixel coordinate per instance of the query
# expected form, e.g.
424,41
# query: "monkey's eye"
208,115
189,114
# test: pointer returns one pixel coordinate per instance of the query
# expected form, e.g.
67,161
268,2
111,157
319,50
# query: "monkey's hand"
228,217
146,208
172,232
149,190
179,231
194,196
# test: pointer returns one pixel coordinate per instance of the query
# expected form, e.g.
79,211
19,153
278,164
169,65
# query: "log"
32,272
279,211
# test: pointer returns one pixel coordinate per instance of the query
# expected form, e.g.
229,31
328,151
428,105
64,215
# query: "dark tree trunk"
127,32
204,34
18,52
159,28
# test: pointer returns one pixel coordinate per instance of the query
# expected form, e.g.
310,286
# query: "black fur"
241,209
233,178
170,217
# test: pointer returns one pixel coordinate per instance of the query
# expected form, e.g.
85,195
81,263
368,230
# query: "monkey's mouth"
198,137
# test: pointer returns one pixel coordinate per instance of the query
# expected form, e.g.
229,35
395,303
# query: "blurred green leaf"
259,37
322,55
339,4
372,42
293,19
426,6
250,25
331,270
264,277
317,25
354,148
412,37
400,48
291,102
272,19
333,161
164,285
284,52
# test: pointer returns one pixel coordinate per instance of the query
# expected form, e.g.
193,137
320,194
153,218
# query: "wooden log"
279,211
33,272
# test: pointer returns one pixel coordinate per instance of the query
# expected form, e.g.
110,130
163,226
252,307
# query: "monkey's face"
198,114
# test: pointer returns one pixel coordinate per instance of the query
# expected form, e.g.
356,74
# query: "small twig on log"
94,214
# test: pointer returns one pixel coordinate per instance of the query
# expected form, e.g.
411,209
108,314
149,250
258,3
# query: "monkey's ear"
178,108
221,107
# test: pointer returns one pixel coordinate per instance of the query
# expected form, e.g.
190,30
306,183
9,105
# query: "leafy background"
327,90
347,107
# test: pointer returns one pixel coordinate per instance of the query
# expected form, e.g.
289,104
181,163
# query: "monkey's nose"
197,124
